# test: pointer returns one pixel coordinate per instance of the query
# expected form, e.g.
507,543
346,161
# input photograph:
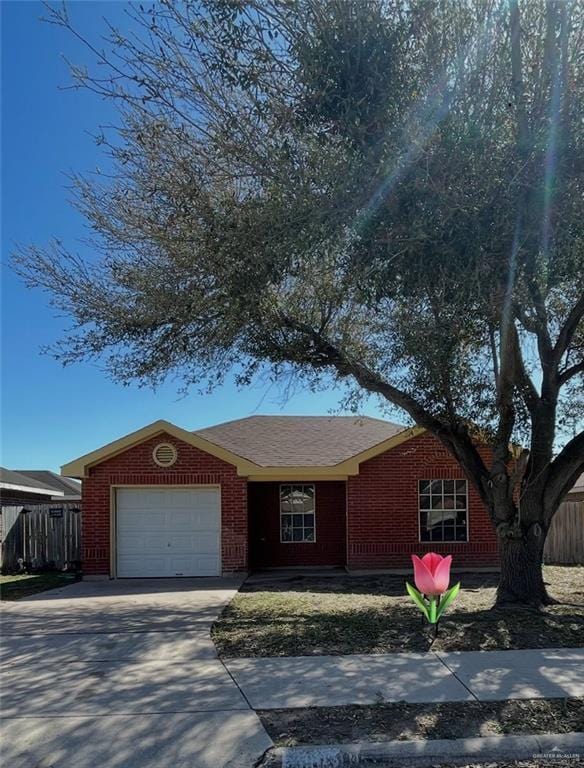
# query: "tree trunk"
521,554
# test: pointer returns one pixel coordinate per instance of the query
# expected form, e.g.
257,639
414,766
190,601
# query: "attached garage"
168,532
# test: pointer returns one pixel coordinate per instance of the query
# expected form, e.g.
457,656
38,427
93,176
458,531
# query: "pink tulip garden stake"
432,576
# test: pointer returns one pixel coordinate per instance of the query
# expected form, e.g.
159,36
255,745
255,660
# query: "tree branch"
494,354
517,75
563,473
331,355
456,440
523,380
569,373
569,329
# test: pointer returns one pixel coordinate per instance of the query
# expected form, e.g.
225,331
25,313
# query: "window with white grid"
443,510
297,513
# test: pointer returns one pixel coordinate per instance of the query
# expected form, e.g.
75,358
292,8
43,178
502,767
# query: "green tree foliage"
388,191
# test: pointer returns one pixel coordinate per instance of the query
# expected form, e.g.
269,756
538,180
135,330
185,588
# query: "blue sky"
52,414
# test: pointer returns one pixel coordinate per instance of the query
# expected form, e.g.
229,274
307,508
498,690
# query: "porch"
297,524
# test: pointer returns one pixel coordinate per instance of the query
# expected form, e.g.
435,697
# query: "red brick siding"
383,509
264,523
137,467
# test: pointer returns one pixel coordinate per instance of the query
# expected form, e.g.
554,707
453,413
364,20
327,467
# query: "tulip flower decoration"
432,576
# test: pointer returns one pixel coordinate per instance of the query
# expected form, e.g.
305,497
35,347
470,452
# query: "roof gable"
79,467
269,447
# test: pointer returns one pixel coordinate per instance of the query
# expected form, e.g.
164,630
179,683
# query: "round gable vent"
164,454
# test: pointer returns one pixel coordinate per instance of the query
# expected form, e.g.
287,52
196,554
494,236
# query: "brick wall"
137,467
266,550
382,506
383,509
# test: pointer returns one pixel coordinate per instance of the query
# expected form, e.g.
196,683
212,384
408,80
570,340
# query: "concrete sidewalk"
320,681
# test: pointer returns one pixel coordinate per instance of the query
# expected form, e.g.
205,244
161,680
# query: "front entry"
168,532
297,524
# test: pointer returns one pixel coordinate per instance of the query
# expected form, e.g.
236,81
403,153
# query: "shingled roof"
292,441
265,446
60,484
10,479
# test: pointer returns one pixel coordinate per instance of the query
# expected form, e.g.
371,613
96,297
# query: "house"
21,486
65,488
48,496
276,491
18,488
577,491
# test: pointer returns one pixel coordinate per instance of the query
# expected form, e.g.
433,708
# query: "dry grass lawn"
15,586
451,720
371,614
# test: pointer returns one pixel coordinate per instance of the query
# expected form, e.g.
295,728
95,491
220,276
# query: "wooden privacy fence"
42,535
565,540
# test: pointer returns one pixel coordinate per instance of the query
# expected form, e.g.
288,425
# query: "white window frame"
420,510
291,485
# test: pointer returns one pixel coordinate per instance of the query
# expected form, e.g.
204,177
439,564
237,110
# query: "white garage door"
168,532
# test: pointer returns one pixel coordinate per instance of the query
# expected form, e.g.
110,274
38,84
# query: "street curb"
425,753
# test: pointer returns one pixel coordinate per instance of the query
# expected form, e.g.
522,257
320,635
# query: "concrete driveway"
122,674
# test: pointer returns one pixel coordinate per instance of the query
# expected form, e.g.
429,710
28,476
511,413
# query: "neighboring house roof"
578,486
293,441
14,481
273,446
65,485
